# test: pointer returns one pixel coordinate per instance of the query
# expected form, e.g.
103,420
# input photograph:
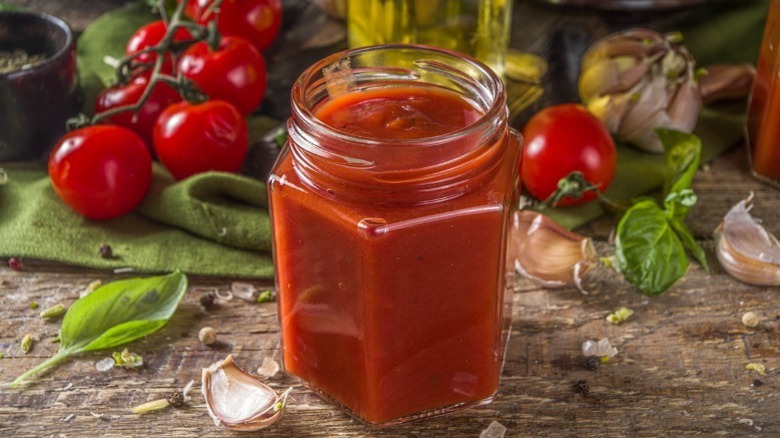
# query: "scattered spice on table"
27,343
592,363
582,387
207,300
15,264
757,367
53,312
750,319
207,335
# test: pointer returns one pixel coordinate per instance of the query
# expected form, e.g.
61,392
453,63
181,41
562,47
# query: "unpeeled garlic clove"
549,254
238,400
745,249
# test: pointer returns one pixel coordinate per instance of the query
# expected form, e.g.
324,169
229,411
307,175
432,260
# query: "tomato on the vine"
257,21
235,72
160,98
101,171
190,139
150,35
563,139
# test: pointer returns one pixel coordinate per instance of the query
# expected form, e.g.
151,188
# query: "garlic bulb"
238,400
745,249
548,254
638,80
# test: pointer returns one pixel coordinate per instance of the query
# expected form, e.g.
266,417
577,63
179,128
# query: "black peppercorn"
207,300
592,363
582,387
105,251
176,399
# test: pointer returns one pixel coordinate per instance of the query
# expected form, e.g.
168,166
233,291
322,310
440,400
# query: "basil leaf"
678,204
107,37
647,250
683,154
122,311
114,314
7,7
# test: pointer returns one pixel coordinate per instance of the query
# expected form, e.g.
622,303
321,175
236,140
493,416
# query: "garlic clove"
548,254
726,81
238,400
745,249
684,106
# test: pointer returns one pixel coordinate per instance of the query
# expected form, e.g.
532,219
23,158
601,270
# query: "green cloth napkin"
211,224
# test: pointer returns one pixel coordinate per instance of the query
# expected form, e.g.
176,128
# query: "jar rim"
305,79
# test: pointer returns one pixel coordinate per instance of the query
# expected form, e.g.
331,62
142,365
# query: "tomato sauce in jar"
390,209
763,117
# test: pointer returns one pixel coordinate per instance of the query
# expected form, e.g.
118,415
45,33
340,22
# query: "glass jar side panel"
406,298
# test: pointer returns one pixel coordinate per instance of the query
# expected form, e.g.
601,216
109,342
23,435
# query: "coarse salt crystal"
602,348
494,430
105,364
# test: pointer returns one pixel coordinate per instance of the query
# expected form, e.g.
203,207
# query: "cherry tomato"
235,72
560,140
101,171
161,97
150,35
257,21
190,139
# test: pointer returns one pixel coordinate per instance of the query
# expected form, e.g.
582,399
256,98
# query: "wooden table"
680,368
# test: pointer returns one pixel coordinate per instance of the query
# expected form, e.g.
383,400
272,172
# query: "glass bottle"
390,252
479,28
763,117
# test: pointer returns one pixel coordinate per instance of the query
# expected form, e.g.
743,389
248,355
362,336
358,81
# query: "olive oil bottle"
479,28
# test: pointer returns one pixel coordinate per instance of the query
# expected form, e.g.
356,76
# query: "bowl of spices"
39,86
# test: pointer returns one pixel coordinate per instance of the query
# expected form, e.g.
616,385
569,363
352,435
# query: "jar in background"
479,28
763,117
389,245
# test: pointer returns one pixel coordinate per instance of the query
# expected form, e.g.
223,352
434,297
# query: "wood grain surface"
680,370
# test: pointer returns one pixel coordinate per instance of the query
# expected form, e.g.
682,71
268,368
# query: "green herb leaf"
647,250
683,153
116,313
678,204
8,7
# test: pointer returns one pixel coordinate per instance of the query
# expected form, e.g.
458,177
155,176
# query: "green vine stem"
575,186
127,65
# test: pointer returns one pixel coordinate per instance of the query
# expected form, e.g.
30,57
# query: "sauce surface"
392,310
398,113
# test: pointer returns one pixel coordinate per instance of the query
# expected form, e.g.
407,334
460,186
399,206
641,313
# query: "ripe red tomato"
560,140
190,139
257,21
101,171
150,35
235,72
161,97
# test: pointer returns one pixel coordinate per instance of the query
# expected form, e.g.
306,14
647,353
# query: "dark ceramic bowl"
35,102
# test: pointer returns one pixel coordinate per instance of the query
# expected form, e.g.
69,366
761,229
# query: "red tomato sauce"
391,310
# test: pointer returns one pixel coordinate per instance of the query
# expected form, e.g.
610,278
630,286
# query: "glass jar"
763,117
390,253
479,28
